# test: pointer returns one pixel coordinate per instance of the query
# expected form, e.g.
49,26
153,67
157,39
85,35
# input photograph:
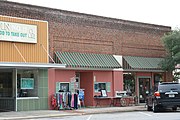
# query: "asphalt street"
138,115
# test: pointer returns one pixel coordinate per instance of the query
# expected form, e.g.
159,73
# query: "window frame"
107,86
58,86
33,74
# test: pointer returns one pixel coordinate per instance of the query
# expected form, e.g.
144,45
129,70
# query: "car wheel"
174,108
155,108
123,102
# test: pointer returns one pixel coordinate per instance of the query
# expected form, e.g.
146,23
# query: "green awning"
132,62
87,60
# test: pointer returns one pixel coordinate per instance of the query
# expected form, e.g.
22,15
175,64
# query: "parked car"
165,95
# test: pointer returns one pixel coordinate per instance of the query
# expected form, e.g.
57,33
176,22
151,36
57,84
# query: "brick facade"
77,32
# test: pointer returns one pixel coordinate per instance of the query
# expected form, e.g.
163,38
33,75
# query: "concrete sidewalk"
60,113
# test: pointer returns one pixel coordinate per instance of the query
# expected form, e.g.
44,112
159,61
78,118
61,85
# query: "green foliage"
176,76
172,45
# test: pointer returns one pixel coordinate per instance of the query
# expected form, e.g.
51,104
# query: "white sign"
17,32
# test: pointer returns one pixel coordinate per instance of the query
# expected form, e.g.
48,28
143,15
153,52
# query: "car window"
169,87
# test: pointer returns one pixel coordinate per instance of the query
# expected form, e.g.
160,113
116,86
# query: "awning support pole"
47,53
19,52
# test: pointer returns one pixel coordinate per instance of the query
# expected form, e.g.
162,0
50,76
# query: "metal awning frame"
30,65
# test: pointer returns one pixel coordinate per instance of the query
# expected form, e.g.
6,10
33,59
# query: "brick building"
131,51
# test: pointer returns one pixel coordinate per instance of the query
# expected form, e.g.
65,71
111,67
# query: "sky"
160,12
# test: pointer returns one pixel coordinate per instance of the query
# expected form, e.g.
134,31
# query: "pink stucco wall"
87,84
57,76
118,81
87,79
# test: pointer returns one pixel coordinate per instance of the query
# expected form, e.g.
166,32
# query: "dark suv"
166,95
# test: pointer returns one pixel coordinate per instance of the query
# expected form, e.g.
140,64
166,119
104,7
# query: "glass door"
144,89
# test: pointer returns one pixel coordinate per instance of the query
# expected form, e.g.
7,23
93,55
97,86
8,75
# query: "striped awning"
86,60
133,62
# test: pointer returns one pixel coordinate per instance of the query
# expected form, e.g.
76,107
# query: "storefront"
23,64
141,74
88,72
86,45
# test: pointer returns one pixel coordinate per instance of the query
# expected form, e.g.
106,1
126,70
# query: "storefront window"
98,86
129,84
157,78
6,89
27,83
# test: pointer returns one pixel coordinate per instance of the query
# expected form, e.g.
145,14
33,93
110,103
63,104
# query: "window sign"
103,93
27,83
10,31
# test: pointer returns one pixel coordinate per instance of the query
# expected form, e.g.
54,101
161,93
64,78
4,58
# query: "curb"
40,116
72,113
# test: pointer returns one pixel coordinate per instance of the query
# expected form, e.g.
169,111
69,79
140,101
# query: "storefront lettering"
10,31
4,26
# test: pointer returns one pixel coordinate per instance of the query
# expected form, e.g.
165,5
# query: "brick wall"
76,32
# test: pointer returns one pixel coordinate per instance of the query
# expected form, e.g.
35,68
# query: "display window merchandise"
27,83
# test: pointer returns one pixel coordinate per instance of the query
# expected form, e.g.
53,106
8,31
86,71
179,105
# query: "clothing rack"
66,100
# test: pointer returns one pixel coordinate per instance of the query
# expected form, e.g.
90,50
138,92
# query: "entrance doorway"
144,88
7,101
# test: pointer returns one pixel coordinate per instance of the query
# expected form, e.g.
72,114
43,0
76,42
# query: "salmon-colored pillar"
117,81
51,85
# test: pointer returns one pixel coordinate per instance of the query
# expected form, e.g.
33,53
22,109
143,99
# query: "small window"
98,86
64,87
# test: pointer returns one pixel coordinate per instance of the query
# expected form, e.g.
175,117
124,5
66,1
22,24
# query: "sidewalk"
59,113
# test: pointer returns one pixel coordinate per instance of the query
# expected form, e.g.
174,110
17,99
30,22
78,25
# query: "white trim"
15,88
98,69
48,40
119,59
118,69
30,65
25,98
142,70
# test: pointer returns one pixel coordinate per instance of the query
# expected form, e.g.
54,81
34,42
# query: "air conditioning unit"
120,94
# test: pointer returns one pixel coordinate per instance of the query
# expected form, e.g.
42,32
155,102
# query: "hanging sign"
17,32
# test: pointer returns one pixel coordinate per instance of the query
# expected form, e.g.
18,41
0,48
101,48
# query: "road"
139,115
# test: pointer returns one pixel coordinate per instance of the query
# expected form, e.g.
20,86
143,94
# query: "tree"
172,45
